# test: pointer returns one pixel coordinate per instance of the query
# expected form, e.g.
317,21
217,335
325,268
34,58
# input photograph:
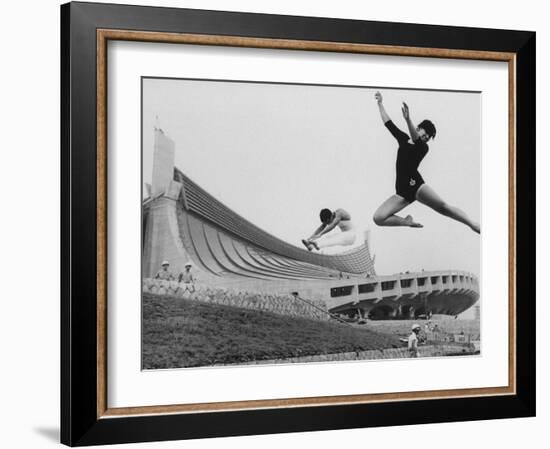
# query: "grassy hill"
180,333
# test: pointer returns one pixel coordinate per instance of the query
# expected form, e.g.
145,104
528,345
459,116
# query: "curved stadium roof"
228,242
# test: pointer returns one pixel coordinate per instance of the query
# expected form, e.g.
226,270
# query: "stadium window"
421,281
434,280
444,278
366,288
406,283
345,290
388,285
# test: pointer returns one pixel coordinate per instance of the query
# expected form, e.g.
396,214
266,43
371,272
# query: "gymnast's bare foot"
411,223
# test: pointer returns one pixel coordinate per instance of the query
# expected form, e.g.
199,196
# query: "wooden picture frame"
86,418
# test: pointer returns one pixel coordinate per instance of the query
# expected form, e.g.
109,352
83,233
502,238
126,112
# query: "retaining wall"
286,305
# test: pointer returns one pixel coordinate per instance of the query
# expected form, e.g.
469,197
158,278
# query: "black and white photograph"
306,223
277,224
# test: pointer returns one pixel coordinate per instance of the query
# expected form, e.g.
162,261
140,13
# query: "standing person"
329,221
428,331
413,341
187,278
409,184
164,274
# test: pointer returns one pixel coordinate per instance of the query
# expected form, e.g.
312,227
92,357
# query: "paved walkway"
376,354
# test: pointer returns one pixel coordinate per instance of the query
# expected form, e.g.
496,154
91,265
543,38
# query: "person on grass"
164,273
412,343
187,278
409,184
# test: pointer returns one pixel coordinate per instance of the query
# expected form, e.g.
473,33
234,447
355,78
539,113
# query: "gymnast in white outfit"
330,220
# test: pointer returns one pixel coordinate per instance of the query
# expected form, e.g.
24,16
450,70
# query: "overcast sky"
276,154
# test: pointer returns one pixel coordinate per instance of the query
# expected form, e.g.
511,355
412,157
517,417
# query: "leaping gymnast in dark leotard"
409,184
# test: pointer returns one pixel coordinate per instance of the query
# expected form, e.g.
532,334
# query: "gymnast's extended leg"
426,195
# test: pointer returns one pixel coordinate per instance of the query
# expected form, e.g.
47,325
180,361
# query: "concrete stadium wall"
286,305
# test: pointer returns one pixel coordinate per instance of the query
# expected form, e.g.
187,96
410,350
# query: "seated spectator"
164,274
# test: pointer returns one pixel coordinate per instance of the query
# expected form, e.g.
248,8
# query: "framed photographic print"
279,224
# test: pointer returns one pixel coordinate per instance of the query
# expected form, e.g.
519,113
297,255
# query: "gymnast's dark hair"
325,215
429,127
